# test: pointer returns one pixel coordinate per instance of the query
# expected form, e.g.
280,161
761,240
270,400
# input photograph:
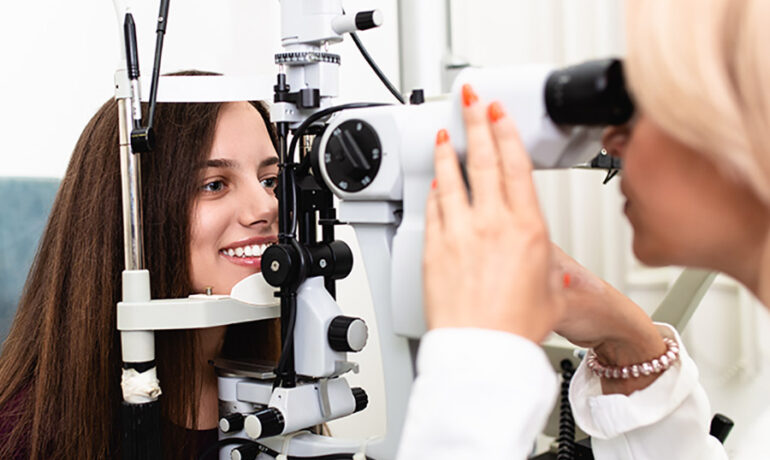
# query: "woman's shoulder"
14,443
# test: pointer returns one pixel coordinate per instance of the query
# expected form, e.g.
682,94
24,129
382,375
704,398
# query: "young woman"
696,173
208,200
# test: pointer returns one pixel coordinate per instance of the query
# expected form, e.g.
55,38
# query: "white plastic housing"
313,357
301,405
309,21
407,135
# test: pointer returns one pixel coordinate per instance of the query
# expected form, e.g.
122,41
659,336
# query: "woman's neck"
210,341
749,261
761,287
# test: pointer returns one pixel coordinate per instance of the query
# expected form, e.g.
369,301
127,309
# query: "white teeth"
253,250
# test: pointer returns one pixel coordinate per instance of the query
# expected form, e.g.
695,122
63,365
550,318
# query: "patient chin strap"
140,387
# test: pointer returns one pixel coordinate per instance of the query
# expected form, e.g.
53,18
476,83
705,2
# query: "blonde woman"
697,181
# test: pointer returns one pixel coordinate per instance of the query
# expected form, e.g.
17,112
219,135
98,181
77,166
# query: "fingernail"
567,280
433,184
442,136
495,112
469,96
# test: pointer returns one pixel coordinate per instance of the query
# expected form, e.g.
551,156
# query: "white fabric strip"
140,387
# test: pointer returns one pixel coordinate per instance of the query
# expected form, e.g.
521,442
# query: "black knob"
347,334
366,20
334,259
352,155
230,423
720,427
142,140
247,451
417,97
265,423
278,265
362,400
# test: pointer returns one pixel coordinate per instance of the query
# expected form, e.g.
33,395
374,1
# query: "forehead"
241,133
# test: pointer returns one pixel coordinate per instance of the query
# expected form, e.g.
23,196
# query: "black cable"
376,69
300,131
287,347
566,439
160,31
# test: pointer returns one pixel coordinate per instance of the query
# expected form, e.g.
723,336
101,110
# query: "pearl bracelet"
656,366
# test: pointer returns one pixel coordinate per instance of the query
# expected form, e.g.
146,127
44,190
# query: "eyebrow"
232,164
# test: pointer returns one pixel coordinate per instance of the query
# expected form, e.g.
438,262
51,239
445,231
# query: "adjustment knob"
265,423
278,267
347,334
366,20
245,452
362,400
230,423
353,155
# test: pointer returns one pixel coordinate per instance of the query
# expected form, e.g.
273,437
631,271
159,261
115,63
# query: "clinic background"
58,60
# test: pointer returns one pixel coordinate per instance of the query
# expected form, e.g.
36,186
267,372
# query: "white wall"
58,60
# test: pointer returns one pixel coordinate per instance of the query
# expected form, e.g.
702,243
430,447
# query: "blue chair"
24,207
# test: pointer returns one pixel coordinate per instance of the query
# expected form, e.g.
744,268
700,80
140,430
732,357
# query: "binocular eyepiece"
592,93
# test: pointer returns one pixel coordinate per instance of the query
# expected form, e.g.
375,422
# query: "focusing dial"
347,334
353,155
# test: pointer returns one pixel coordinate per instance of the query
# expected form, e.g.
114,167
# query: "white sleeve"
478,394
668,419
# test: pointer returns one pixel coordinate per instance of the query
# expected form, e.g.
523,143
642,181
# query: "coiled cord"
566,439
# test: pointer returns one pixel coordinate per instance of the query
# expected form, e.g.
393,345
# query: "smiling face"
235,215
684,208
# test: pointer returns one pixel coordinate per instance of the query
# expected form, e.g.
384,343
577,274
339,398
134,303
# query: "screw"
209,290
275,265
322,263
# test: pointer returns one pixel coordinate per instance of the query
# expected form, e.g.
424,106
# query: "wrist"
632,336
630,350
627,351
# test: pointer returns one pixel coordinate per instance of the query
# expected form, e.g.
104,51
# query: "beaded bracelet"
656,366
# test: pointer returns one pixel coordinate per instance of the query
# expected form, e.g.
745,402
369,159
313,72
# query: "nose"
259,206
615,139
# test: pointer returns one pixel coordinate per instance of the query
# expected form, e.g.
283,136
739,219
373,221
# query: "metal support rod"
423,43
131,182
286,196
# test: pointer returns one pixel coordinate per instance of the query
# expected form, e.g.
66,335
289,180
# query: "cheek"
205,233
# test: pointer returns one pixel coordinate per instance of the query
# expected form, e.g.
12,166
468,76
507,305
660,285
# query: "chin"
651,254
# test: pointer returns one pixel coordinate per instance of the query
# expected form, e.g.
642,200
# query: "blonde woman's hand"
599,316
596,312
488,261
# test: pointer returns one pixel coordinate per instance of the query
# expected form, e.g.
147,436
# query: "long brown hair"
60,365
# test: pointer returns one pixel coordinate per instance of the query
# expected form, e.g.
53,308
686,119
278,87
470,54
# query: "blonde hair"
701,70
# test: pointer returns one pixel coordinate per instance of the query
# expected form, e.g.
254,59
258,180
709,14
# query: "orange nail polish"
469,96
442,136
433,184
495,112
567,280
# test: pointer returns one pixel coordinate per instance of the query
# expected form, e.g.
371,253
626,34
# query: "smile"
251,250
